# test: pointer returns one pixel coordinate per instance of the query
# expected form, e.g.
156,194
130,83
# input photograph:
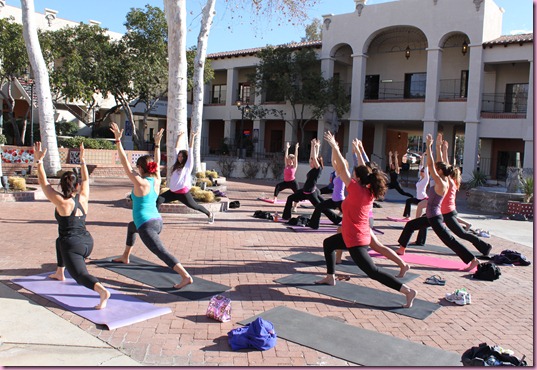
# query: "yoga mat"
397,219
363,295
420,259
121,310
351,343
163,278
332,230
346,266
271,201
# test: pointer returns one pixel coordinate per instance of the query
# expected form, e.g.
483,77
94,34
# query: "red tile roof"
510,39
253,51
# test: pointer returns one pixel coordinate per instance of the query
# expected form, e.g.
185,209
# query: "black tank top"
72,225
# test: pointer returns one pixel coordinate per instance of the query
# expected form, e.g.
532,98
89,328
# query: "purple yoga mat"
121,310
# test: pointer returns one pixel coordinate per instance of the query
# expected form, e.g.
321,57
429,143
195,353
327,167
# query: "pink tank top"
448,203
289,173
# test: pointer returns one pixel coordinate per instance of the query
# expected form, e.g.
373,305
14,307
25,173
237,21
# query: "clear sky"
228,34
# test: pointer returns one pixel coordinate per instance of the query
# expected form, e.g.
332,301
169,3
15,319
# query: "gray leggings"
149,233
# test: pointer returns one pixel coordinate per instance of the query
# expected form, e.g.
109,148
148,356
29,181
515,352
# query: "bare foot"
104,294
401,251
122,259
57,276
473,264
410,297
329,280
403,271
186,281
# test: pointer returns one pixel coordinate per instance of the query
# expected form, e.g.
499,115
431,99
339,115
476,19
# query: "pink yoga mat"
280,201
121,310
419,259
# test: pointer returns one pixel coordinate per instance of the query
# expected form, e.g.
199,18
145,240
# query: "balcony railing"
451,90
505,103
396,90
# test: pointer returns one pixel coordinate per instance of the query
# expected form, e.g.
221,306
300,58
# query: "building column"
432,87
430,127
379,146
257,126
232,86
528,138
228,129
471,145
359,62
327,67
475,84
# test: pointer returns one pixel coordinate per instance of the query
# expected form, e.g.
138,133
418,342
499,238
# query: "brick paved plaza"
247,254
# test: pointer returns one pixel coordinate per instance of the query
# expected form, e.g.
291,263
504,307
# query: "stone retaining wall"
491,201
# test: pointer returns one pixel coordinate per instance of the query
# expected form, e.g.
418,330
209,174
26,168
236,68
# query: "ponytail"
372,178
68,184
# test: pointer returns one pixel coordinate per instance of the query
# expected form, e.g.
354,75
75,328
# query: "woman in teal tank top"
147,221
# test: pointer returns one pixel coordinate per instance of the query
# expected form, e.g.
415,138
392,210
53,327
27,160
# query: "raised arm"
156,154
430,163
445,146
339,162
314,153
50,193
390,161
132,175
178,141
287,146
84,174
192,138
296,155
396,161
439,140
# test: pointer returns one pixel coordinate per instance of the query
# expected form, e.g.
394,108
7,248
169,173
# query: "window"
372,87
219,94
464,84
244,93
415,85
516,98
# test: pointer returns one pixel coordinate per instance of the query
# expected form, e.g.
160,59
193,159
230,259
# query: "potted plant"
525,207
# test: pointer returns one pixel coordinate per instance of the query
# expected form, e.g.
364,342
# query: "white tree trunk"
175,11
198,80
44,97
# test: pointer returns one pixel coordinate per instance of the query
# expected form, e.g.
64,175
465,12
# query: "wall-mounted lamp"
407,52
464,48
398,135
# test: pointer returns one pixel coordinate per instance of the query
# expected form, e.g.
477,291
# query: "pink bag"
219,308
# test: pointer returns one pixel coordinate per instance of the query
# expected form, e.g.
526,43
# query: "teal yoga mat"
351,343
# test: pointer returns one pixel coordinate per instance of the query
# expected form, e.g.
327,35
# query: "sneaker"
460,297
211,218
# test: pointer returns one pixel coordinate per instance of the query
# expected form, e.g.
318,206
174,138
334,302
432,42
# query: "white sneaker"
460,297
211,218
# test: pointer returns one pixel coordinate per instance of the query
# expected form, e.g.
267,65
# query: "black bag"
487,271
299,221
515,257
485,355
263,215
234,204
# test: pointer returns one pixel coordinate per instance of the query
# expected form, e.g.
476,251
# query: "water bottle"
276,216
492,361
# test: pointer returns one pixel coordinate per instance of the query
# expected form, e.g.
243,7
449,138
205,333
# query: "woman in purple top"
433,216
289,180
327,206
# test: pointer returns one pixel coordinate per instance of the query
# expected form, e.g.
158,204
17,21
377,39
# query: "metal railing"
451,89
504,103
396,90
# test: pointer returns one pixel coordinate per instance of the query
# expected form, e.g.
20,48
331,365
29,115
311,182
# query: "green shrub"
89,143
250,169
527,189
227,165
478,179
3,139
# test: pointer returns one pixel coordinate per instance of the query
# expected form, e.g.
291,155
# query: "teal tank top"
145,208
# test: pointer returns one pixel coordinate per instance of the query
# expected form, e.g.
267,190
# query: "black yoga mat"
163,278
347,266
353,344
373,298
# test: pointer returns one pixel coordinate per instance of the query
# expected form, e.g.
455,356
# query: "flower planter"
520,208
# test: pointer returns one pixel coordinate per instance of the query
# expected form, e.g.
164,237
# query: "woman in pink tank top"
289,181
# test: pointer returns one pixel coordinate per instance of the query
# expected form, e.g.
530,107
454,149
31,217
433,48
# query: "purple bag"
219,308
259,334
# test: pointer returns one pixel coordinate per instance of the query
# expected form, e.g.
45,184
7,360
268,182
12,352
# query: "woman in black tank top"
74,243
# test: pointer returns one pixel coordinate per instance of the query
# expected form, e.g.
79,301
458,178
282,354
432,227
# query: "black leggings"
187,199
314,198
149,233
360,257
397,186
293,185
441,231
451,222
326,207
408,205
71,252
